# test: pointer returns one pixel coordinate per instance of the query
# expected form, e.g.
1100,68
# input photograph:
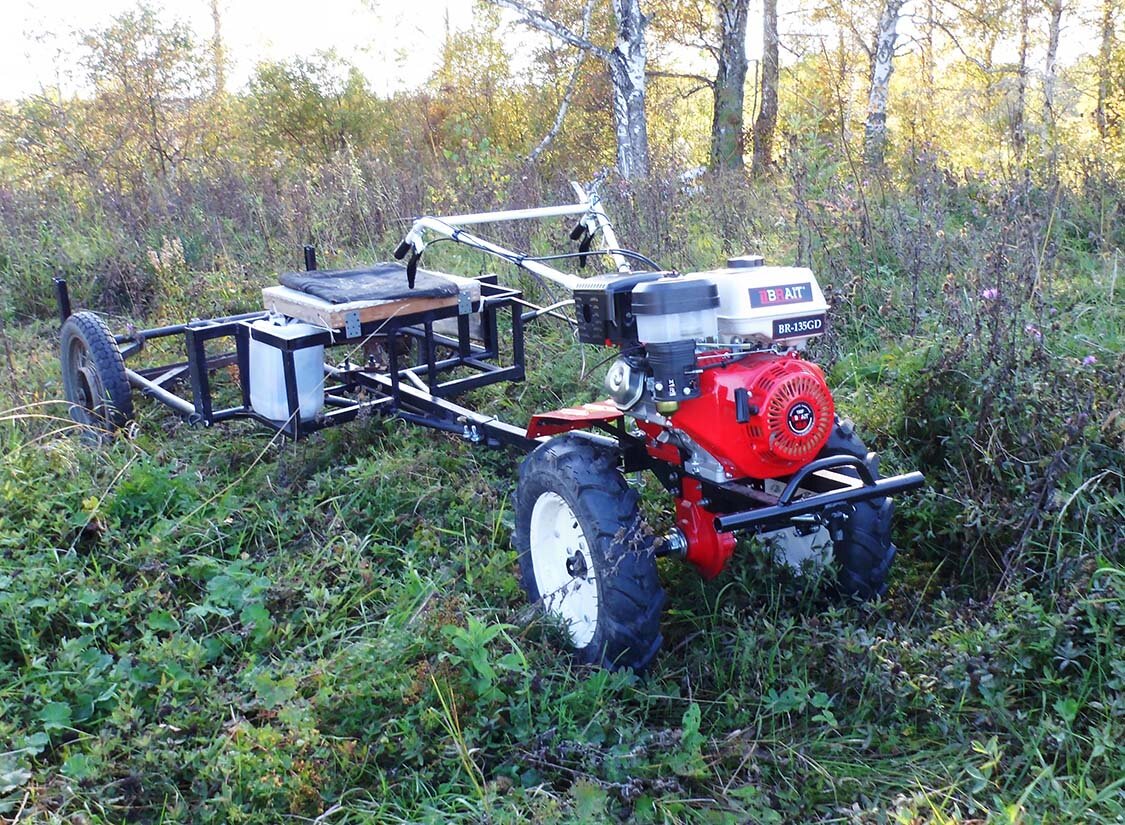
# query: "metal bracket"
464,302
351,324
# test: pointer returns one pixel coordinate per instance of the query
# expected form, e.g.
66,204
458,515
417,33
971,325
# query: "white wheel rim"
556,539
810,552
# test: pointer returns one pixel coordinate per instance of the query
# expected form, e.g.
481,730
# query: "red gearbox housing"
785,406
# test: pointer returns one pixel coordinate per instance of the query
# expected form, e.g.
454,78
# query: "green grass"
218,626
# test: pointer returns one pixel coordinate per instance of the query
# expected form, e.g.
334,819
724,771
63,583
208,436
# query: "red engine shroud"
791,414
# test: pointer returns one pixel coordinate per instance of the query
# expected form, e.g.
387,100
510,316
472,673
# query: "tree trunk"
1051,70
626,64
766,122
1019,111
1104,55
627,69
218,54
727,144
882,64
929,71
1050,74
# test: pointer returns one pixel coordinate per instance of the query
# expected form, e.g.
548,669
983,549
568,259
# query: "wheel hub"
87,381
576,566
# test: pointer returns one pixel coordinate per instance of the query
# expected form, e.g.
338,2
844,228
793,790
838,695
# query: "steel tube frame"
429,407
178,329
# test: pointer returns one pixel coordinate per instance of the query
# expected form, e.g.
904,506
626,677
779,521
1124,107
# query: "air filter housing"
676,309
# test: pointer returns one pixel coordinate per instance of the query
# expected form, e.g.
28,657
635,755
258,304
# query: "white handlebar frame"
589,207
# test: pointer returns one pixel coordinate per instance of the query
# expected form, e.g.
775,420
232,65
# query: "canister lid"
288,330
670,296
745,262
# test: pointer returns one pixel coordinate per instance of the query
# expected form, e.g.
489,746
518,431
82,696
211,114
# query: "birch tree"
1019,108
218,52
1050,68
882,65
626,63
727,132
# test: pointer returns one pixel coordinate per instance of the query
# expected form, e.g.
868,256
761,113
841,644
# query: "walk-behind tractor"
707,389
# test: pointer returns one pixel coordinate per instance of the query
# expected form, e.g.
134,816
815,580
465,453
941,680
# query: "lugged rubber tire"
619,544
93,372
864,553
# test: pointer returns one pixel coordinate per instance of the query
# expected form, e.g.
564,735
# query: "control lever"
412,265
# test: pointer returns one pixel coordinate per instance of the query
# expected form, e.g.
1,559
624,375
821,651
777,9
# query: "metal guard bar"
862,466
780,514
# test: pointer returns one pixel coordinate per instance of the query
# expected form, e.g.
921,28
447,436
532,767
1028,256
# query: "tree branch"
564,104
538,20
706,81
560,116
980,64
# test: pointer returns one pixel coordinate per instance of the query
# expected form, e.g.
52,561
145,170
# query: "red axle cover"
707,548
791,414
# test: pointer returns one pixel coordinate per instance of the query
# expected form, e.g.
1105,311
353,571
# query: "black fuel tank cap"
745,262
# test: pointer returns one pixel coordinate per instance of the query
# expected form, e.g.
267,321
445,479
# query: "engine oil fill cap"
669,296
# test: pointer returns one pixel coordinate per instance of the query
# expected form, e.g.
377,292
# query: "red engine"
785,406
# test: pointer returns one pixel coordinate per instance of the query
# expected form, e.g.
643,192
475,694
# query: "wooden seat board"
314,310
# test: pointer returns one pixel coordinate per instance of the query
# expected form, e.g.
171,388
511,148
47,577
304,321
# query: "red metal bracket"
573,418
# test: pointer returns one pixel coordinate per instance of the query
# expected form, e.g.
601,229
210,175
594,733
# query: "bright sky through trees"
394,42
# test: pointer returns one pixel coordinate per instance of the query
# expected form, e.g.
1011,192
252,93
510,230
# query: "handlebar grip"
584,247
412,270
577,232
401,250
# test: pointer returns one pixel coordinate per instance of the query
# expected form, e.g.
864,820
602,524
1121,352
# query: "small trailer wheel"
586,554
93,374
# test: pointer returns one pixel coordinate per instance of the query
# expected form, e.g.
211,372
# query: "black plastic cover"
745,262
670,296
674,373
604,307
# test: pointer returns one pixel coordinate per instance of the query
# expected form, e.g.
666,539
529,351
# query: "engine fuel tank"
768,305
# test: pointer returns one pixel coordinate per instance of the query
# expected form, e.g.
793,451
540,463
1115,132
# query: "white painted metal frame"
589,207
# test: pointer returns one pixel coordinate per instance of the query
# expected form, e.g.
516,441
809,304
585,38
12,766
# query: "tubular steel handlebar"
861,465
592,221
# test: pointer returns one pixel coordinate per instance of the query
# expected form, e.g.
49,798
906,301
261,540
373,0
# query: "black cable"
518,260
628,253
617,354
725,362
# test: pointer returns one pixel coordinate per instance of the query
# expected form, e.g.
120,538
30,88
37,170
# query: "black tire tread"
107,361
630,595
865,553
